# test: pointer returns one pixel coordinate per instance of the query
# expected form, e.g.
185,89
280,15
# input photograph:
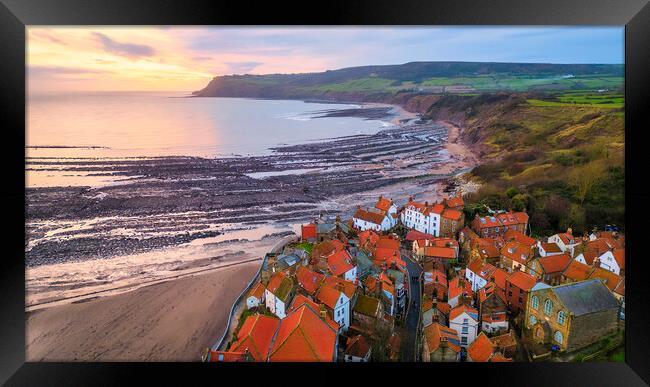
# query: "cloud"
129,50
242,67
56,70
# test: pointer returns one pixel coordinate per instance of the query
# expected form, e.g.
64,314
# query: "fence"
218,345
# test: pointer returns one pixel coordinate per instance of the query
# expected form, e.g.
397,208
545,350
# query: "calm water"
153,124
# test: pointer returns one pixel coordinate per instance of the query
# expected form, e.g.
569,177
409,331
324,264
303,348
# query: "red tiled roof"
304,336
369,216
555,263
347,287
599,246
522,217
387,242
357,346
276,281
255,335
370,283
435,333
589,256
460,309
515,250
309,280
440,252
493,317
414,235
455,201
437,277
481,349
480,269
301,300
443,307
522,280
383,204
487,248
257,291
425,208
566,238
507,219
522,238
340,263
500,276
328,295
308,231
368,237
383,254
455,289
620,288
451,214
577,271
487,222
550,247
610,279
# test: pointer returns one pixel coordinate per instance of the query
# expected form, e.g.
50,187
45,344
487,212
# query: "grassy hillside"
371,82
551,136
561,161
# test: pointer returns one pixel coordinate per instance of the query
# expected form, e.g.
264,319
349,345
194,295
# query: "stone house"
571,316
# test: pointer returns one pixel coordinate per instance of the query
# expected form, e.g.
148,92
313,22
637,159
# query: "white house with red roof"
422,216
565,241
337,303
547,249
255,296
464,320
367,219
340,264
479,274
613,260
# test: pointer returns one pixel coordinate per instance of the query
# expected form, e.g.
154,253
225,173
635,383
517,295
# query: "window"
464,321
558,337
560,317
533,320
510,293
534,302
463,340
548,307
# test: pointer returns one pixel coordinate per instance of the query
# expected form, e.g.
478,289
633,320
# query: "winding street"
413,308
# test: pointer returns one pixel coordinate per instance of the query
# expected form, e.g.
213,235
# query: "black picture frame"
16,14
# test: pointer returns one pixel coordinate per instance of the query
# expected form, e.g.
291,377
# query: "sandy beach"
169,321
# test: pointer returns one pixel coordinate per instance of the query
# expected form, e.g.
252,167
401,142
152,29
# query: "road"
414,307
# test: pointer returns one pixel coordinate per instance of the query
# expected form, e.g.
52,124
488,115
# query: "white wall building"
422,217
464,320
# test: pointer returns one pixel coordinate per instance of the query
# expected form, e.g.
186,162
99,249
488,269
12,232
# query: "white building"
548,249
255,296
565,241
464,320
278,294
337,303
372,220
478,274
422,217
613,261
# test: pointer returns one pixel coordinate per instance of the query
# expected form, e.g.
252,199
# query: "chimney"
569,231
323,311
426,203
380,197
410,198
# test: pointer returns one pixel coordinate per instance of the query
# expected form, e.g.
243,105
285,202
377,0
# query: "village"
419,282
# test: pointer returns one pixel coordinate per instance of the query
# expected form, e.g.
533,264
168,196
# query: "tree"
584,178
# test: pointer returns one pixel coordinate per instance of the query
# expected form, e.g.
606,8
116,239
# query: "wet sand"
170,321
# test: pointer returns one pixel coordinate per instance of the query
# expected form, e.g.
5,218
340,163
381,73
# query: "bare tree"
585,178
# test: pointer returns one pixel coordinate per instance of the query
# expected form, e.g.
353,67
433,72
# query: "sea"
111,125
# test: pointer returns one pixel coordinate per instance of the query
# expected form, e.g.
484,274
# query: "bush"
511,192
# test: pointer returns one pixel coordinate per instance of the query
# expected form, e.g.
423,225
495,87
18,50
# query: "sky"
69,59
